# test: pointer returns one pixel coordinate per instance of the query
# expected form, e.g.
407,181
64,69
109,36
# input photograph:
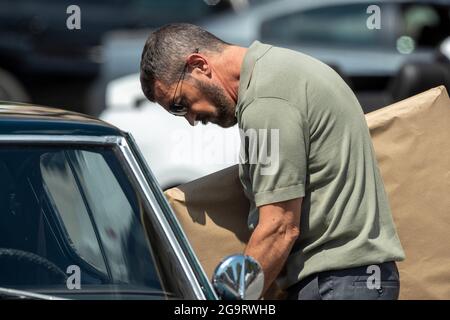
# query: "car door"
74,223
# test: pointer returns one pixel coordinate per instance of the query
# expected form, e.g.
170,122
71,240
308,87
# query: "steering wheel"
26,257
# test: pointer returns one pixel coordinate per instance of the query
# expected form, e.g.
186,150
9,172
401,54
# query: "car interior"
30,250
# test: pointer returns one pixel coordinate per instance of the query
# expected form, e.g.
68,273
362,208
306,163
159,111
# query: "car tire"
11,89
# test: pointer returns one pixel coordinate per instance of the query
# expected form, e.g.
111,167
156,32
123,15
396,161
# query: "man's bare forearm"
274,236
271,251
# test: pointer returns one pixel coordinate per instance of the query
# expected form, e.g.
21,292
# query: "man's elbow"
293,233
281,220
289,232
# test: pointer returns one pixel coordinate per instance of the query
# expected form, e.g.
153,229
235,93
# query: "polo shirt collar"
254,52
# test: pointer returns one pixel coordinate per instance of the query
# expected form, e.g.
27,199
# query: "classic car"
83,217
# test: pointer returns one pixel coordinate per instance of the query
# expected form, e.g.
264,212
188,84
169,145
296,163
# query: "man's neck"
228,65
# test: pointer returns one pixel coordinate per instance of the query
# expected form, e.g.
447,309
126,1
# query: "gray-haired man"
322,219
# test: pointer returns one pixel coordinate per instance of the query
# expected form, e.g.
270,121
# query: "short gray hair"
165,52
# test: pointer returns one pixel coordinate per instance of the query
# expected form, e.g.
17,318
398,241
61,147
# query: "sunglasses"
175,108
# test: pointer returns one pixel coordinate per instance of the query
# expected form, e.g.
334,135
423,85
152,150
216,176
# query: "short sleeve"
273,157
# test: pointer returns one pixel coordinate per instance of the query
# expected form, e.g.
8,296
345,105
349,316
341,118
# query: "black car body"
81,215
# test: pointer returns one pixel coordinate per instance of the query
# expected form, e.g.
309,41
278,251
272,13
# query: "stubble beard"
224,105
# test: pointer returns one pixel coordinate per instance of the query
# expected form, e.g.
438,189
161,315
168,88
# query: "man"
321,221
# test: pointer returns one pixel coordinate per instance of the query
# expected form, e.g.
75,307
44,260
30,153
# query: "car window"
111,211
68,210
349,27
60,184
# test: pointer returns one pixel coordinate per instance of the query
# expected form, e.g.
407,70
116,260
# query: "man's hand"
274,236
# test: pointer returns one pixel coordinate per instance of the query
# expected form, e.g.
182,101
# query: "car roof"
29,119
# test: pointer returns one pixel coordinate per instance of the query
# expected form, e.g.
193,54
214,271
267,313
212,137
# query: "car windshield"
71,222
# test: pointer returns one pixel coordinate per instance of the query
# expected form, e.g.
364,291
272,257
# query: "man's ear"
198,65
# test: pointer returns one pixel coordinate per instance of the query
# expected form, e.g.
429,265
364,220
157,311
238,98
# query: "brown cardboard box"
412,142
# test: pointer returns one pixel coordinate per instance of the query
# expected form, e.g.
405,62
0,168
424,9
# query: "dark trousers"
360,283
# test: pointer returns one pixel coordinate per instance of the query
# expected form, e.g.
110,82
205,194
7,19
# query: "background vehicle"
337,33
333,31
38,51
121,51
76,196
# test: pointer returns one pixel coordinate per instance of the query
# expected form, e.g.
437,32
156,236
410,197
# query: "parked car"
82,216
37,48
121,49
339,32
333,31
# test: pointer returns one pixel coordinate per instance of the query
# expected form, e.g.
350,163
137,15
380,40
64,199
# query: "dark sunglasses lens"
178,109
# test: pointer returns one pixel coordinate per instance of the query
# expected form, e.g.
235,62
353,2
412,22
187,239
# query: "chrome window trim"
55,139
180,229
123,146
134,165
27,294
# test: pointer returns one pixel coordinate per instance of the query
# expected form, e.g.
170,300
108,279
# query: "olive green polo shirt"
304,134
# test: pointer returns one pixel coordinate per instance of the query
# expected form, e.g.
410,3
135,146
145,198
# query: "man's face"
205,101
221,107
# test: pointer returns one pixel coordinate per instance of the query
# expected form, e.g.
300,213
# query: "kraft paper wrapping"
412,143
213,213
411,139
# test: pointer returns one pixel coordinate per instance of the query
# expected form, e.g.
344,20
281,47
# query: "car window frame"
208,291
386,11
191,276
